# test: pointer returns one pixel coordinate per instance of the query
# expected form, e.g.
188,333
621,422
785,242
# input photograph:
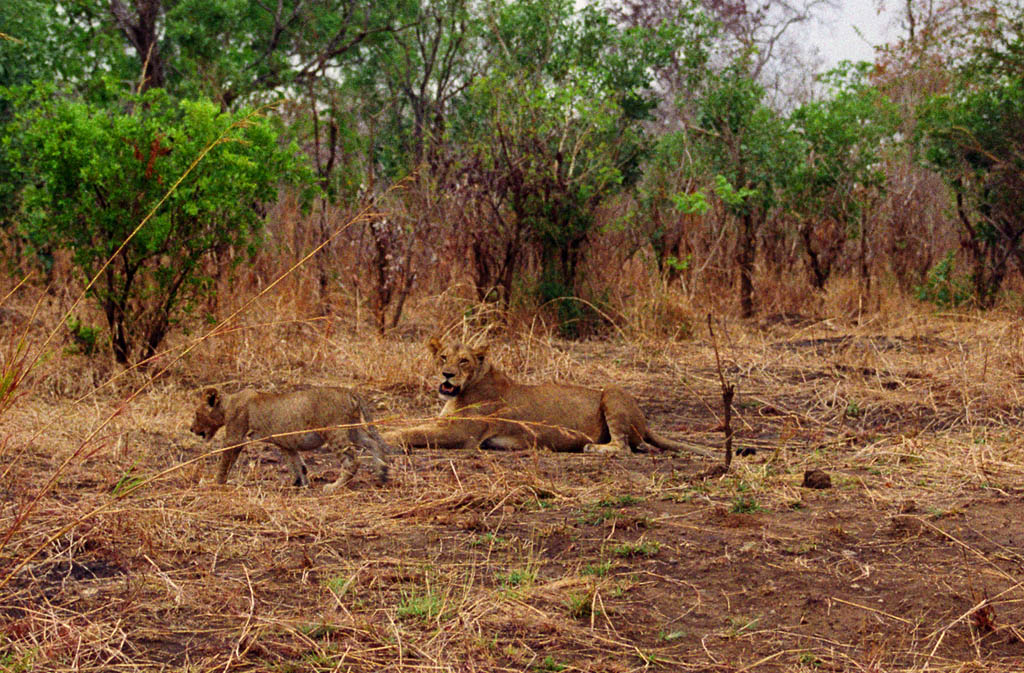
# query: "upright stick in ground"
728,390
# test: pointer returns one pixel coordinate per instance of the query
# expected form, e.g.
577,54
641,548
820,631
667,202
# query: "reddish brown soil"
474,561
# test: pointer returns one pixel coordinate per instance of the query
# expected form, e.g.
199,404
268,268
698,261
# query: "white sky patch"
851,32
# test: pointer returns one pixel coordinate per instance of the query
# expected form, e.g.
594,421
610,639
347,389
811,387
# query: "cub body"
301,420
484,408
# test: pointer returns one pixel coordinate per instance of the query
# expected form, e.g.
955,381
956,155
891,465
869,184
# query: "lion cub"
292,421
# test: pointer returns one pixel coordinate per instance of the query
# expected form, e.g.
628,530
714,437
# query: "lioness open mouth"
447,389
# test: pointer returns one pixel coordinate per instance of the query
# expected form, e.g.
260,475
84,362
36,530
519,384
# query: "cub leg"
297,467
624,420
227,459
369,439
349,467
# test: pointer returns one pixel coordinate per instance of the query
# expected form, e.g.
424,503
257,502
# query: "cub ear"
434,345
480,352
211,396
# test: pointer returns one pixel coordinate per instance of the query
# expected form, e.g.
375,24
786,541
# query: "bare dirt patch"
910,561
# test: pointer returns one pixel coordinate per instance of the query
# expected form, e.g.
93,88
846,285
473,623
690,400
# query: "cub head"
459,366
209,414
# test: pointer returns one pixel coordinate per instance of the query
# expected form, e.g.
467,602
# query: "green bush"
943,287
84,336
94,172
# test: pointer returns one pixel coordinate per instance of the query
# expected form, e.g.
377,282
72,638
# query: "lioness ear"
480,352
211,396
434,345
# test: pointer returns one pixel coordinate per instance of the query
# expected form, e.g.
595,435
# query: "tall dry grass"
131,559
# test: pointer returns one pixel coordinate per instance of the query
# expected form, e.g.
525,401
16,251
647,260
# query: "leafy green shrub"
943,287
551,132
94,173
84,336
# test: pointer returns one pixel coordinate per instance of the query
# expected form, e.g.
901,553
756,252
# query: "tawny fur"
293,421
486,409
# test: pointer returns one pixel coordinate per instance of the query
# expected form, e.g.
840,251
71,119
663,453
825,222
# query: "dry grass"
119,554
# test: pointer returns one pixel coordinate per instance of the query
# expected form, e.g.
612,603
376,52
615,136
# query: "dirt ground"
912,559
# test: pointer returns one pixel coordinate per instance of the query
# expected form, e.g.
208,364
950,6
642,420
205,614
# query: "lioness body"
484,408
293,421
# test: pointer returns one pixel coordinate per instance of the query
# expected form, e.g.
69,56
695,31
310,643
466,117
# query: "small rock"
817,479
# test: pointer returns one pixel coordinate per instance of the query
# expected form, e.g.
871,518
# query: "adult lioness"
484,408
292,421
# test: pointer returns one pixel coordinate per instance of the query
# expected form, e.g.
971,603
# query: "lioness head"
209,414
458,364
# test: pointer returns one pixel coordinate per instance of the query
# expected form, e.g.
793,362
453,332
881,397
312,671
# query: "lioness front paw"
601,448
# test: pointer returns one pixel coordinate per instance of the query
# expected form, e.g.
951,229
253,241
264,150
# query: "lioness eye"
463,361
441,358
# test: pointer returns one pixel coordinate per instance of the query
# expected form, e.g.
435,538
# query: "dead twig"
728,391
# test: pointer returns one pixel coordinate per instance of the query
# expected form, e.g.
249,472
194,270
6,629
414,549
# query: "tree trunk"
142,30
745,260
865,276
820,269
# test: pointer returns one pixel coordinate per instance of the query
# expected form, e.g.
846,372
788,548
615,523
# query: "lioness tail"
667,444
